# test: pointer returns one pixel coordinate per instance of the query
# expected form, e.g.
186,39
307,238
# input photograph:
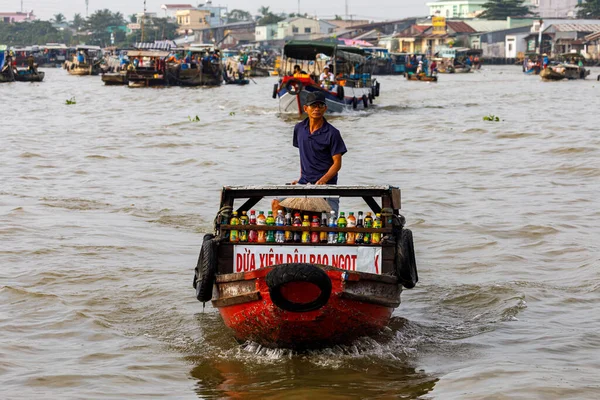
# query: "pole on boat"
142,24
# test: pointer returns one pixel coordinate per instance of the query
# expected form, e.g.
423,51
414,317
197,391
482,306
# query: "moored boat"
306,295
85,61
200,65
563,71
146,68
350,89
115,78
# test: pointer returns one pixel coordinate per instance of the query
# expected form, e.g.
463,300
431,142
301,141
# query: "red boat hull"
360,304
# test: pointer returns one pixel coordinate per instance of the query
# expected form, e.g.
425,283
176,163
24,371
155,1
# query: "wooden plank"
243,298
251,202
305,190
372,204
396,199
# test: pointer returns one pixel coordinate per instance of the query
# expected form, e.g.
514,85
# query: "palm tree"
264,11
78,22
58,18
133,18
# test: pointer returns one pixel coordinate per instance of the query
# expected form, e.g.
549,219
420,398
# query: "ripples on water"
103,205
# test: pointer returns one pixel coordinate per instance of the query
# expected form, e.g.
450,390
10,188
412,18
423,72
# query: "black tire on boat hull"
377,87
206,269
354,103
365,101
405,262
294,87
340,92
287,273
275,87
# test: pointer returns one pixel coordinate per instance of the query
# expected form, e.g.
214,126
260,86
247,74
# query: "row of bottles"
257,235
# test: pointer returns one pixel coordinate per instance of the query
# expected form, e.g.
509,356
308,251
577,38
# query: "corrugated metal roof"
576,27
460,27
592,37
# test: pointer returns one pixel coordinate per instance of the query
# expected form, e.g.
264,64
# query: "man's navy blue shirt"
317,150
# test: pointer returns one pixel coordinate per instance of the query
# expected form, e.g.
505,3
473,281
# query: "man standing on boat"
320,145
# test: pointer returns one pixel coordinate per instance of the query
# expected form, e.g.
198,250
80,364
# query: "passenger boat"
206,70
306,295
351,88
237,81
85,61
421,77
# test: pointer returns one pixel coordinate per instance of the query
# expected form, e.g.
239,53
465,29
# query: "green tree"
133,18
268,17
338,18
501,9
78,22
30,33
237,15
101,23
589,9
58,18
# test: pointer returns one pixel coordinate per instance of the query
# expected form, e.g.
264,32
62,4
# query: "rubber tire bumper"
365,101
275,87
287,273
206,269
290,87
404,260
340,92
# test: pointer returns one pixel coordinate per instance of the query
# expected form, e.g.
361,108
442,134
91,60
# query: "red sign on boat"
356,258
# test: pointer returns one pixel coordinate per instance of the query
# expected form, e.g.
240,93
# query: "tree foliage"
589,9
501,9
102,23
238,15
58,18
268,17
31,33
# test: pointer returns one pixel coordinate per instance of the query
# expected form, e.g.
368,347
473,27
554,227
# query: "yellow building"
191,20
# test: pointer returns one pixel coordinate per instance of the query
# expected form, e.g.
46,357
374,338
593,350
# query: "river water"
103,205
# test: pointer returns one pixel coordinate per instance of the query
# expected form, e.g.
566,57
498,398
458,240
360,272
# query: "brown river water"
103,205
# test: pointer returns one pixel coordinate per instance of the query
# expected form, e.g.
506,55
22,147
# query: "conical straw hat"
317,204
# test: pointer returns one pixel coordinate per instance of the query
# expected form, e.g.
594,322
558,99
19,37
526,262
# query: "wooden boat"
237,81
25,75
147,68
306,295
7,72
421,77
206,71
563,71
85,61
115,78
349,91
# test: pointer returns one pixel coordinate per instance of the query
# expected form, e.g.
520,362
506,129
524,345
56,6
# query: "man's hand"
321,182
294,182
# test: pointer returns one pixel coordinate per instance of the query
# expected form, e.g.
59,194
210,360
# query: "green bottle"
341,223
233,234
270,222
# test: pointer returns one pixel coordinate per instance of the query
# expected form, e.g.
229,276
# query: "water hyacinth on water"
491,117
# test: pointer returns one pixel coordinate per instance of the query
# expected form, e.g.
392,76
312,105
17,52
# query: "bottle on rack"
359,225
280,221
323,234
332,236
376,238
270,222
261,220
288,236
341,223
253,234
314,235
368,224
297,222
351,236
244,220
306,232
233,234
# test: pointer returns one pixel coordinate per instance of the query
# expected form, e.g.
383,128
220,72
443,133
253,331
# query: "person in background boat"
31,67
433,68
476,62
420,68
468,61
545,60
326,79
298,71
241,69
321,148
80,58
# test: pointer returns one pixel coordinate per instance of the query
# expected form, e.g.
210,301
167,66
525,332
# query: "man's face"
316,110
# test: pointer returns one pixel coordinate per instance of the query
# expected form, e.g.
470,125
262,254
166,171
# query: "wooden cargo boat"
421,77
146,68
85,61
115,78
7,72
563,71
206,70
350,90
306,295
